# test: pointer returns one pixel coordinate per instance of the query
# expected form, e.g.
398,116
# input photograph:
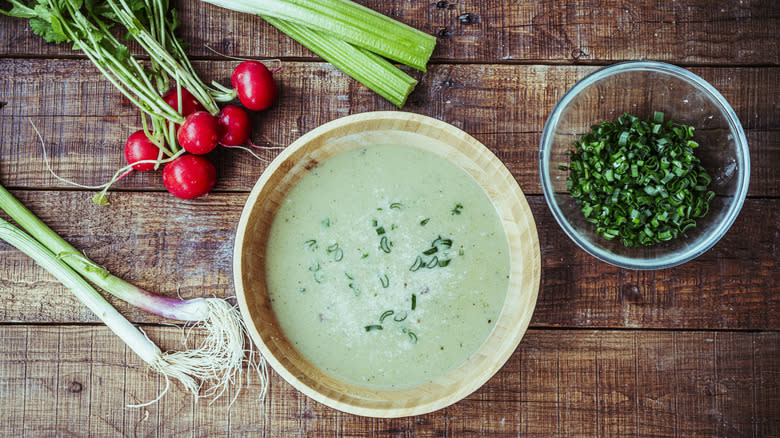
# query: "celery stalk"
371,70
348,21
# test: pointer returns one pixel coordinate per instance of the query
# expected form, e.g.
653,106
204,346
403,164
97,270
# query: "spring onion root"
217,361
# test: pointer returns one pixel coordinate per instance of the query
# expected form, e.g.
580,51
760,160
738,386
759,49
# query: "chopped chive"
365,254
457,209
443,263
414,301
384,280
311,244
460,251
638,181
326,222
385,244
380,231
425,221
400,316
347,274
433,262
384,315
374,222
412,336
355,289
418,263
396,205
430,251
336,252
373,327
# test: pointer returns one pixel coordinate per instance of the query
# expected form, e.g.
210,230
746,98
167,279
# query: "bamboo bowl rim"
360,130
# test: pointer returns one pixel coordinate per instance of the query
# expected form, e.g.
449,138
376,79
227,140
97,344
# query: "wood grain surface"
83,120
687,351
567,383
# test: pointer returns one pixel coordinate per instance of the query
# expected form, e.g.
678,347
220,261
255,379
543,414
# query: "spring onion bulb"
217,360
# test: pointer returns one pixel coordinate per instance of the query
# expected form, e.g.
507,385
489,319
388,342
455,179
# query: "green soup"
387,266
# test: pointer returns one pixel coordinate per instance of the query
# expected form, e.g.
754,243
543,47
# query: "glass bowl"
640,88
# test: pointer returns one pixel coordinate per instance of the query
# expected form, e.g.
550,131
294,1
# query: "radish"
199,133
189,176
254,84
234,126
189,104
139,148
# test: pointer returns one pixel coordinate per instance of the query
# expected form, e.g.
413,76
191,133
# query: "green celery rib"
349,21
368,68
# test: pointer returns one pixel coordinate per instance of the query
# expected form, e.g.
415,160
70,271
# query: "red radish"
137,148
189,104
254,84
189,176
234,126
199,133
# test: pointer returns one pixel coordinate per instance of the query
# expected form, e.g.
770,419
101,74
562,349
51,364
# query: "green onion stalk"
218,360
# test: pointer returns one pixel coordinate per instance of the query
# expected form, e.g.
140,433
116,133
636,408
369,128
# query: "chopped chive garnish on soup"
412,336
414,301
639,181
425,221
384,315
384,280
457,209
373,327
385,244
335,252
400,316
311,244
396,206
326,222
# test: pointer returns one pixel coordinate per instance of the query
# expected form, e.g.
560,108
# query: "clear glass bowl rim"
704,244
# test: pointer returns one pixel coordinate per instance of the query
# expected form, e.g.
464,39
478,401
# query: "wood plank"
695,375
74,393
593,386
766,365
656,408
85,122
146,237
13,368
691,31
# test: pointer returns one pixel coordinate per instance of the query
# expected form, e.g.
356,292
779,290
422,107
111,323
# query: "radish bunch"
190,174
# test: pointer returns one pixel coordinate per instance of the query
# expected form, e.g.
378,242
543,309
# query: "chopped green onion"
373,327
384,315
639,181
385,244
414,301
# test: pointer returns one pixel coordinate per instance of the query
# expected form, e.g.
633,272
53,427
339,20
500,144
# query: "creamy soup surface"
387,266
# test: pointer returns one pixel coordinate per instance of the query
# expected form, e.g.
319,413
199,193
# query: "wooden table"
688,351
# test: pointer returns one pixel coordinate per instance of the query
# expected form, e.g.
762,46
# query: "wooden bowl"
359,131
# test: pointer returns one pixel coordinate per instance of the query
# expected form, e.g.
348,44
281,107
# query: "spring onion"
220,356
639,181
